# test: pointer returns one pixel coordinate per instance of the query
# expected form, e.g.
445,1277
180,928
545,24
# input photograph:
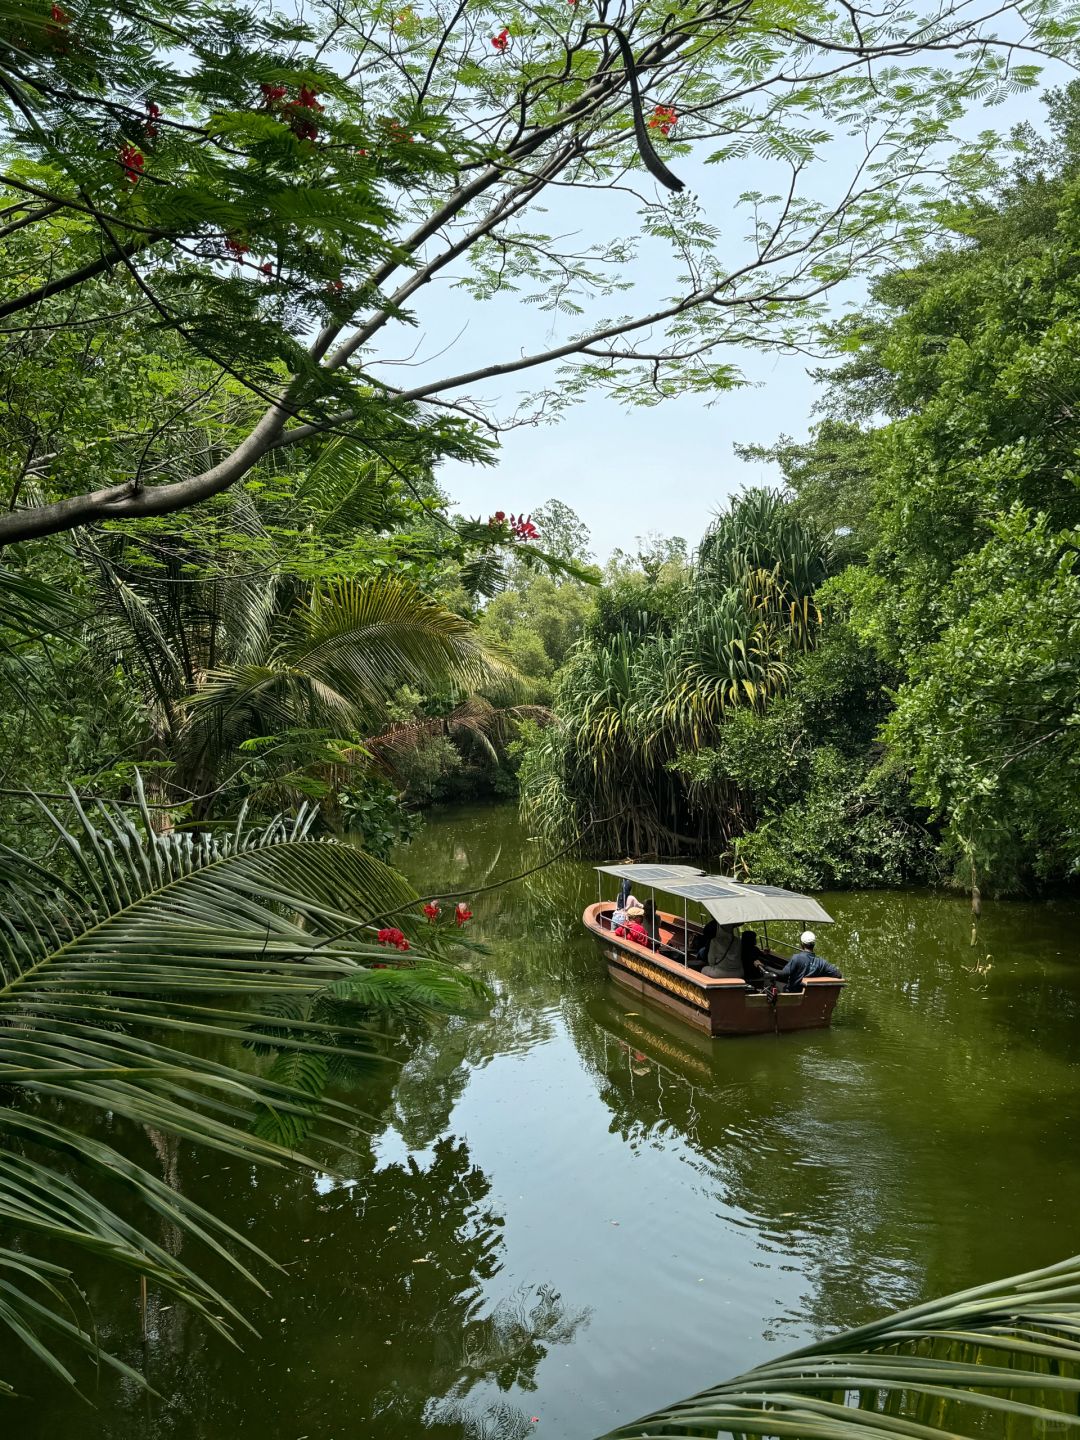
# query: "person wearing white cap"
805,964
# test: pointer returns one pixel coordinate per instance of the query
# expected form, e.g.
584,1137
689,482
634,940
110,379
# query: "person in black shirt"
748,957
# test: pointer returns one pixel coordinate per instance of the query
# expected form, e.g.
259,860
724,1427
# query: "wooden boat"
719,1006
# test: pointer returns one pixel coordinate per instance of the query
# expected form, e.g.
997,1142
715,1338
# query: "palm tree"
227,663
1000,1360
331,665
131,964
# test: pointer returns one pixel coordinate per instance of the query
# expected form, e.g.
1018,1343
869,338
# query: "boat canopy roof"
652,874
728,901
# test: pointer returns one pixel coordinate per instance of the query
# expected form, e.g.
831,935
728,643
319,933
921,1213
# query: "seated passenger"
624,905
724,956
805,964
632,931
700,951
651,921
748,956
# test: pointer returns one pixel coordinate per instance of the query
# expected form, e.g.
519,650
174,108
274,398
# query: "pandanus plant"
760,532
142,976
628,707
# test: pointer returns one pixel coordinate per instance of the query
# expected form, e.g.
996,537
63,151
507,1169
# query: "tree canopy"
946,464
265,204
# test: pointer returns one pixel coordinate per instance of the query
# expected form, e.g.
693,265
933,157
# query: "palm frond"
370,637
346,490
998,1360
337,661
31,609
119,954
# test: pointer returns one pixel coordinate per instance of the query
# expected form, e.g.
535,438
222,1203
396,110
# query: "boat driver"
805,964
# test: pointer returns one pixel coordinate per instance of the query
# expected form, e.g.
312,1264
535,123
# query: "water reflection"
575,1208
926,1142
386,1313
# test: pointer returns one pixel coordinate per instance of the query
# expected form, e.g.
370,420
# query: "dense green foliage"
226,212
116,954
948,457
669,655
927,727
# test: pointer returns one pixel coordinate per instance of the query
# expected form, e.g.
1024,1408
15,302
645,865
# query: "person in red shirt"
632,931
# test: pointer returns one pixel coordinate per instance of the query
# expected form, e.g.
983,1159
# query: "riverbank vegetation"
870,678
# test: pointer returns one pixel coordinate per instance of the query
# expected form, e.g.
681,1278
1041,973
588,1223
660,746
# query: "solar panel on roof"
704,890
654,873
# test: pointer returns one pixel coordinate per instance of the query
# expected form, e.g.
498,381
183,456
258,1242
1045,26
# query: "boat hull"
716,1006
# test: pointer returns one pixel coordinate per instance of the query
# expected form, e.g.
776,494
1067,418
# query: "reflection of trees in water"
380,1316
504,1350
458,849
435,1076
842,1154
480,847
499,1421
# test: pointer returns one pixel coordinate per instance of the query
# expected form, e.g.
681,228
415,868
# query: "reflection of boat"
720,1006
662,1040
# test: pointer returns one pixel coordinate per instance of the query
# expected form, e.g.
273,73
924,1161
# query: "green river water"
576,1209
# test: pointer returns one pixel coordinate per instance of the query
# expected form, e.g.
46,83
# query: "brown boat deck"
717,1006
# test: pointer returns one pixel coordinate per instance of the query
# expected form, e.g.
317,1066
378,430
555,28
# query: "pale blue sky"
631,471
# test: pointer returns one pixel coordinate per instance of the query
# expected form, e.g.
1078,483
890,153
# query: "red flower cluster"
303,129
300,113
499,518
664,119
393,937
133,161
501,42
396,132
462,913
153,114
302,120
236,248
54,28
268,268
522,527
432,912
